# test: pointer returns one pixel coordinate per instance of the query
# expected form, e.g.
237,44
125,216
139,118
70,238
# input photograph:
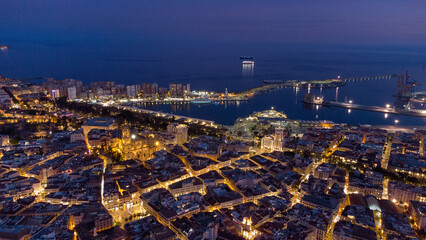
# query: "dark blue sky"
355,22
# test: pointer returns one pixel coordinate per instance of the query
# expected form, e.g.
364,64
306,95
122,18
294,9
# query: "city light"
107,159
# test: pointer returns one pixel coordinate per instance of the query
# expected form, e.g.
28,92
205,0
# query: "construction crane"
406,85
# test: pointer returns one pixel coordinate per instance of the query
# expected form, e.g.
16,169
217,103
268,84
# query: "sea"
216,66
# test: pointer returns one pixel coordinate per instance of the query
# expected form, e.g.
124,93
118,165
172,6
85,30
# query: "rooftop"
100,122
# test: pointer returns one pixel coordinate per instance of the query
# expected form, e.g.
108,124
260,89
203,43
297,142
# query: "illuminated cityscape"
123,159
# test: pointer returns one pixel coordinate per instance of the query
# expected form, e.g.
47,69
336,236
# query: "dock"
389,110
272,85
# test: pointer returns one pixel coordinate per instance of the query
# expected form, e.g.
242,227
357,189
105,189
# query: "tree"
306,153
256,134
15,140
75,123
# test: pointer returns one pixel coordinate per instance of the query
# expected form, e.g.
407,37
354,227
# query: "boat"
201,101
3,47
247,60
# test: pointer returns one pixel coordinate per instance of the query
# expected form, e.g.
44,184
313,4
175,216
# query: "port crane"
406,85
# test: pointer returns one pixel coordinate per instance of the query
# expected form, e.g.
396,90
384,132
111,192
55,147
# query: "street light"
396,121
387,105
350,101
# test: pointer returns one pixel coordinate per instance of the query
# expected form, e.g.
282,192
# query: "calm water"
213,65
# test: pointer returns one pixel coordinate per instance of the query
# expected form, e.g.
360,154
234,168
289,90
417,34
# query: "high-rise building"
275,142
103,88
267,143
109,85
177,89
71,93
120,89
172,89
212,231
73,85
154,89
146,89
162,91
279,139
133,90
55,94
186,89
180,131
279,134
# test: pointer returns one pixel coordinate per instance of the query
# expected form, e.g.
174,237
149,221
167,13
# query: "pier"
381,77
389,110
271,85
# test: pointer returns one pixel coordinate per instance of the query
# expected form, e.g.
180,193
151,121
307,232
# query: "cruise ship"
247,59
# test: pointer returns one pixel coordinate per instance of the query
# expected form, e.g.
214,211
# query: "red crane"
406,86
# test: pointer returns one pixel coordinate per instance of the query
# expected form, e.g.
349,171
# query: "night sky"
354,22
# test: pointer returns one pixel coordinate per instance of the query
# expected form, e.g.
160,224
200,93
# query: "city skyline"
226,120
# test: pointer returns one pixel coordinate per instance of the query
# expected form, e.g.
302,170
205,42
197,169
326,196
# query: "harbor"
272,85
206,104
